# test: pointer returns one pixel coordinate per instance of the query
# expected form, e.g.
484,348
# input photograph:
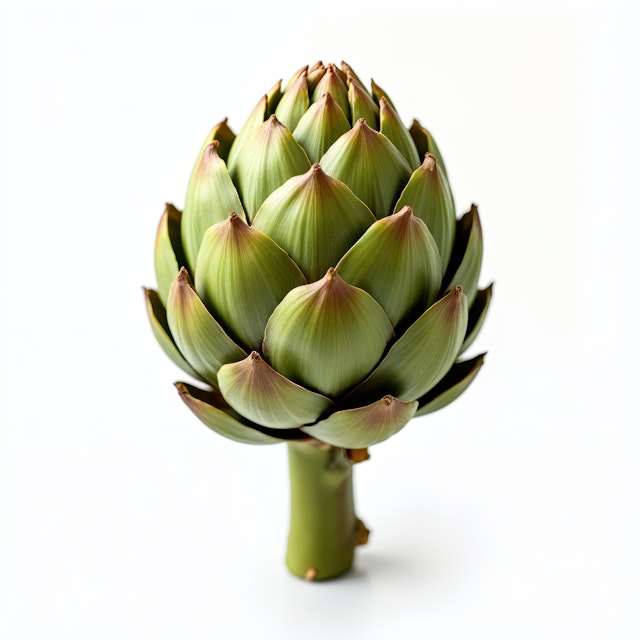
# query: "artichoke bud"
314,75
370,165
255,119
378,93
241,276
392,127
268,159
466,259
315,218
426,144
326,335
320,127
168,257
211,196
294,103
197,334
362,105
397,262
429,195
332,83
262,395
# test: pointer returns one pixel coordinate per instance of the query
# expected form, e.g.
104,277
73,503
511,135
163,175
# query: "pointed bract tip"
405,212
457,291
182,389
331,273
233,216
429,162
388,399
474,209
315,167
183,276
255,356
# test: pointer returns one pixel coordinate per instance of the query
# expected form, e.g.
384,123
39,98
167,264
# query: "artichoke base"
324,529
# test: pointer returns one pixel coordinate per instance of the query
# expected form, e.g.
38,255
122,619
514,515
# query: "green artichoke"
319,283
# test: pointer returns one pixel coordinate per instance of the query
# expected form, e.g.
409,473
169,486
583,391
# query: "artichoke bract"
320,286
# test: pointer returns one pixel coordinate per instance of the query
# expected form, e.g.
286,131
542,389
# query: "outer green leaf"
198,335
168,256
365,426
211,197
466,259
294,103
423,354
369,164
426,144
477,314
210,408
255,119
332,83
268,159
326,335
273,97
320,127
397,262
315,218
225,137
392,127
296,76
428,194
378,93
459,377
362,105
241,276
349,73
266,397
159,326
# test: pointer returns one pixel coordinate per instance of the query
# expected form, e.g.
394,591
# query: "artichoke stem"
324,529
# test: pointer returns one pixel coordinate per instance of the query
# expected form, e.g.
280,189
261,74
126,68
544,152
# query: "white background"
514,513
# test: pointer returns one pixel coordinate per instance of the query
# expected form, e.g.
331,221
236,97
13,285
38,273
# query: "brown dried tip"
429,161
310,574
362,533
183,276
330,273
232,217
457,290
387,400
357,455
474,209
255,355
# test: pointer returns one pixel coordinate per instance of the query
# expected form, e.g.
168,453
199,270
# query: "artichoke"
320,286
